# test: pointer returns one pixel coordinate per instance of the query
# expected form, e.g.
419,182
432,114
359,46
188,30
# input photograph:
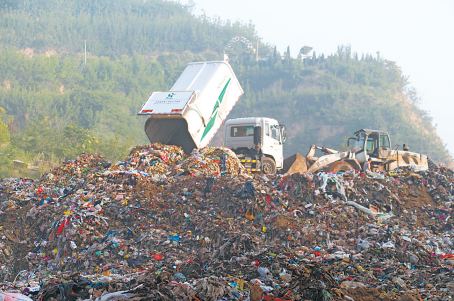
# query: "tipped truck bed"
190,114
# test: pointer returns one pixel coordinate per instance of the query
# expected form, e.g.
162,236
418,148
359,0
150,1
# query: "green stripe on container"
213,119
221,97
209,126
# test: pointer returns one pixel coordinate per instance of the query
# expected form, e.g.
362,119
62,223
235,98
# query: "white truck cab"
258,142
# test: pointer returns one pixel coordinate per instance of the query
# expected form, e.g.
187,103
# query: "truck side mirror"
348,141
283,133
258,135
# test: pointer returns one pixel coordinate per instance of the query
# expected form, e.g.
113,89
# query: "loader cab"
370,143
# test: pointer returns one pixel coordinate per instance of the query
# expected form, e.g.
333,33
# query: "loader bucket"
295,163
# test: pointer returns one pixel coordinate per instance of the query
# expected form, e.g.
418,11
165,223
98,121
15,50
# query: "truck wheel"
268,166
340,166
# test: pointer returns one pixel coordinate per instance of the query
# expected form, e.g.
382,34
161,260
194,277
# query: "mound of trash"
162,225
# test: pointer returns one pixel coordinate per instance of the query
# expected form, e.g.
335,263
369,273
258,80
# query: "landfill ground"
162,225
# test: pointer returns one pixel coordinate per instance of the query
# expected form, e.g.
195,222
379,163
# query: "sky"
418,35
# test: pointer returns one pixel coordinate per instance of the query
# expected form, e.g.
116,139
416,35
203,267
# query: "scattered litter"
162,225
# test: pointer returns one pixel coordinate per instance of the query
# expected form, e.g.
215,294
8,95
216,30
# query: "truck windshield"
359,145
384,141
241,131
275,133
372,144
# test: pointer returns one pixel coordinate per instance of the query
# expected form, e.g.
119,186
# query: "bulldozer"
366,144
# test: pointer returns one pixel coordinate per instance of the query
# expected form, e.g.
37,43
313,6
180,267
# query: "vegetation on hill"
323,100
113,28
56,106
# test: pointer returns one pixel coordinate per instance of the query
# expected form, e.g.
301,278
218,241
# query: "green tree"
9,4
4,132
412,96
305,50
287,54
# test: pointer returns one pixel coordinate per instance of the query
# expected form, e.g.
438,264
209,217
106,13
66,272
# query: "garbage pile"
162,225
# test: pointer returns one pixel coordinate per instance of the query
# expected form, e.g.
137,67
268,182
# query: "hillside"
112,28
323,101
57,106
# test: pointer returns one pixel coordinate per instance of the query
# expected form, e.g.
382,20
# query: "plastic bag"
13,297
388,244
362,244
367,210
352,284
263,272
285,276
248,191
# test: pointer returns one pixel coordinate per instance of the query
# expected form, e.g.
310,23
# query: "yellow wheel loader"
366,144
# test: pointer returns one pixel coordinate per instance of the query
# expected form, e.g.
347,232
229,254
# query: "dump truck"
366,144
191,112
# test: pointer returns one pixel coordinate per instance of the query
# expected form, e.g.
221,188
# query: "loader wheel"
340,166
268,166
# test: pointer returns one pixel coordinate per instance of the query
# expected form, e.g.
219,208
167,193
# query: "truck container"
190,114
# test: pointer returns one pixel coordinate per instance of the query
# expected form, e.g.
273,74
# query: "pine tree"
275,55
